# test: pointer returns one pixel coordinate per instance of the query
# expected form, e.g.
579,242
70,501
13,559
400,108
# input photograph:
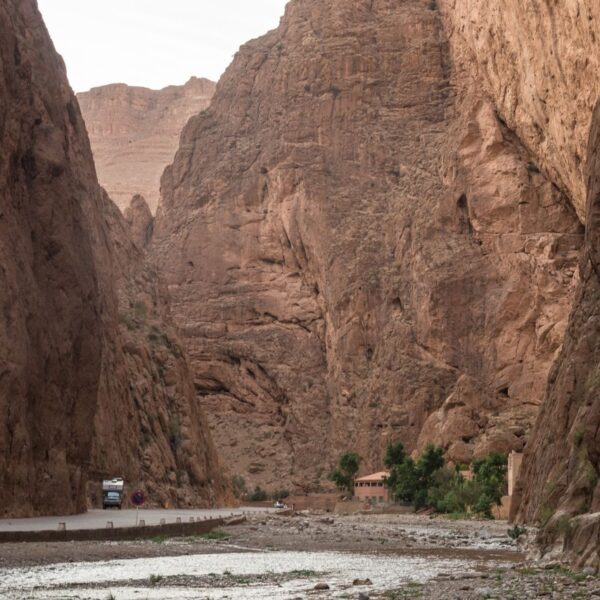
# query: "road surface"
96,519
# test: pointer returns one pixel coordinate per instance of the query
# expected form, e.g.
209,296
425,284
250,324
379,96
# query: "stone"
140,221
321,586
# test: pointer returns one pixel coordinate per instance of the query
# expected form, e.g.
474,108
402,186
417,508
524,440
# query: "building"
514,467
371,489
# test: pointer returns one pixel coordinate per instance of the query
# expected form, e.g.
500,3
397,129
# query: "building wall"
368,490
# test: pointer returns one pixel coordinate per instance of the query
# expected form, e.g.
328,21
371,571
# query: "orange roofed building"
370,488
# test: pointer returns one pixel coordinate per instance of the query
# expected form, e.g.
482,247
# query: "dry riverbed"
363,556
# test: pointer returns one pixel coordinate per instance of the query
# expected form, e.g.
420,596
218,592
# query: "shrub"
279,494
516,532
258,495
490,475
426,482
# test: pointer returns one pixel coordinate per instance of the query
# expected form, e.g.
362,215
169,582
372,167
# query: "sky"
153,43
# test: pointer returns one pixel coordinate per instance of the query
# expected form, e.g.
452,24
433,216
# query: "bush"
516,532
490,476
258,495
279,494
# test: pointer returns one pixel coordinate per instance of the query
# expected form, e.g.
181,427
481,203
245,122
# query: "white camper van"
112,492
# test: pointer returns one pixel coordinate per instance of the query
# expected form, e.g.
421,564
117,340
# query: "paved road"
96,519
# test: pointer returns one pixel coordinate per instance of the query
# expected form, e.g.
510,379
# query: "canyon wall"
359,250
93,381
134,132
539,63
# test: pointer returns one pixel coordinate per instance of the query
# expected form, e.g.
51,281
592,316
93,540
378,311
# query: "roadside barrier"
113,534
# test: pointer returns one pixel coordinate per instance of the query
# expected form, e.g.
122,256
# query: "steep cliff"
359,250
538,63
134,133
92,379
559,487
51,324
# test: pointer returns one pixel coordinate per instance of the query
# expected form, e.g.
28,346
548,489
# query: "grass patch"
214,535
154,579
303,573
158,539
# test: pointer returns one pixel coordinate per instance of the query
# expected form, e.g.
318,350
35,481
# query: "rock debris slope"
92,379
134,133
359,250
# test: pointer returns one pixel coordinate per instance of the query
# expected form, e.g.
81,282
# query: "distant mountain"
134,132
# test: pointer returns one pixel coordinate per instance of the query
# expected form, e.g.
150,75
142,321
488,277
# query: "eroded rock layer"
92,379
359,250
134,133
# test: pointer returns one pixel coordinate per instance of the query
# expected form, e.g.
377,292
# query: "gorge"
382,228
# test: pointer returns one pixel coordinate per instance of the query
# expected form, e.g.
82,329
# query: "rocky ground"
498,567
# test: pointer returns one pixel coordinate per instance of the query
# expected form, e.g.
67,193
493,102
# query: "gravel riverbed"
308,555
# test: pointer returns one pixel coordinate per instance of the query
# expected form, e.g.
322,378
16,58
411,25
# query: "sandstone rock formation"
134,133
560,484
92,379
140,221
359,249
538,63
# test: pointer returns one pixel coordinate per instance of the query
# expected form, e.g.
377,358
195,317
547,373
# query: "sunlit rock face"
134,132
359,250
93,381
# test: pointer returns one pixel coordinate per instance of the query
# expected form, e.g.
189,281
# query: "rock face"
140,221
538,63
559,487
134,133
92,379
359,250
50,367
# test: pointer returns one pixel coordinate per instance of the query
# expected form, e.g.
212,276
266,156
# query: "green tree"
409,481
344,475
404,481
490,476
394,455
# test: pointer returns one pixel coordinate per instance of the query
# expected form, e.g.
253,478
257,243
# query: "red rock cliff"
92,379
134,133
359,250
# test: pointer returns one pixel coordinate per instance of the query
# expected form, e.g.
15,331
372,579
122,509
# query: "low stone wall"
116,534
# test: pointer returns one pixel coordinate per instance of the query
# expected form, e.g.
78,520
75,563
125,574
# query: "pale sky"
153,43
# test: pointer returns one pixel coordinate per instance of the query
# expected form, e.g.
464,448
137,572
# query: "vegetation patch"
214,535
428,483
